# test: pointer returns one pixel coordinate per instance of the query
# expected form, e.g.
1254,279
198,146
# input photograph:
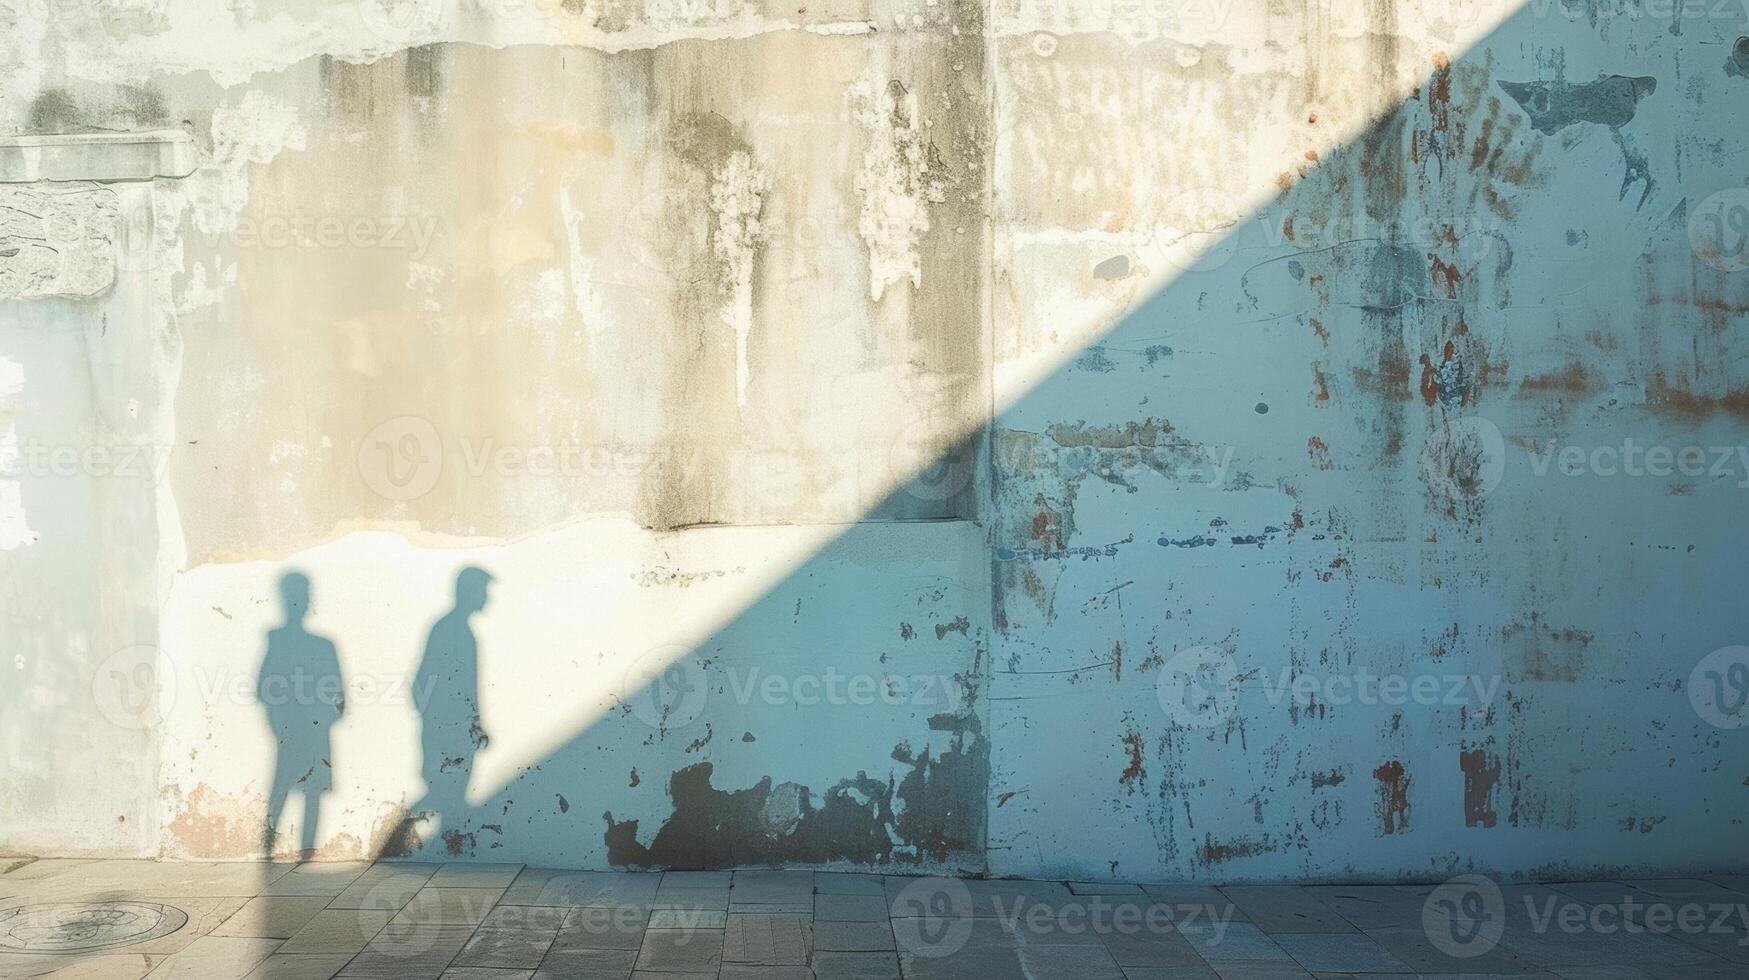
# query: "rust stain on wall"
1393,801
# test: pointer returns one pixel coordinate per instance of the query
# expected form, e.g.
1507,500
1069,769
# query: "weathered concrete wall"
872,418
1339,282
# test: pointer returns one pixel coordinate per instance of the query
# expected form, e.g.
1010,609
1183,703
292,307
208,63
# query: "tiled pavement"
402,921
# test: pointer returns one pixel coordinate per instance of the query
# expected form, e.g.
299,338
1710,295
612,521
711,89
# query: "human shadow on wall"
446,694
301,689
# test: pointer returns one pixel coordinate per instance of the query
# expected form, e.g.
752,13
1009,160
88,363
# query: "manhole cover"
77,926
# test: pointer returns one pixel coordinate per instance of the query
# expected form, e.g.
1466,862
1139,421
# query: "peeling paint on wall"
894,182
1042,348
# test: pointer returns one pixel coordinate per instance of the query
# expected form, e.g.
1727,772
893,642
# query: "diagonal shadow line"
1427,162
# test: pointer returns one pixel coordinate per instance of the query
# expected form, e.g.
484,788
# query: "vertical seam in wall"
986,495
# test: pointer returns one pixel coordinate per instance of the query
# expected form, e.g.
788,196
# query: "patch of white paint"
252,132
15,532
203,291
893,183
586,299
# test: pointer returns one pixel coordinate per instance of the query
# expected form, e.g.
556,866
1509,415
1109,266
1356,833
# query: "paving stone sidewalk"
470,921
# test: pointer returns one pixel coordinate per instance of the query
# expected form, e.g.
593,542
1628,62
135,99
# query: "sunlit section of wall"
1153,135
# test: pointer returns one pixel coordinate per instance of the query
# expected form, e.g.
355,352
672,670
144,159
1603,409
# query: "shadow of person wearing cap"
301,689
446,693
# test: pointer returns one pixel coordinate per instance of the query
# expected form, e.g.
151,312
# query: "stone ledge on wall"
99,157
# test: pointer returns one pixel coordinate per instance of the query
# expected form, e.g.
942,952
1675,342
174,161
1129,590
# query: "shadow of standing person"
446,691
300,688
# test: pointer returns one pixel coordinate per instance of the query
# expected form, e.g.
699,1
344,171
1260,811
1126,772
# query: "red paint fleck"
1429,381
1439,92
1444,271
1133,772
1047,526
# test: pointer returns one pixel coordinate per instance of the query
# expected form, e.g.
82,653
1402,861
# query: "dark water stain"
1609,101
935,812
424,70
54,111
1481,779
